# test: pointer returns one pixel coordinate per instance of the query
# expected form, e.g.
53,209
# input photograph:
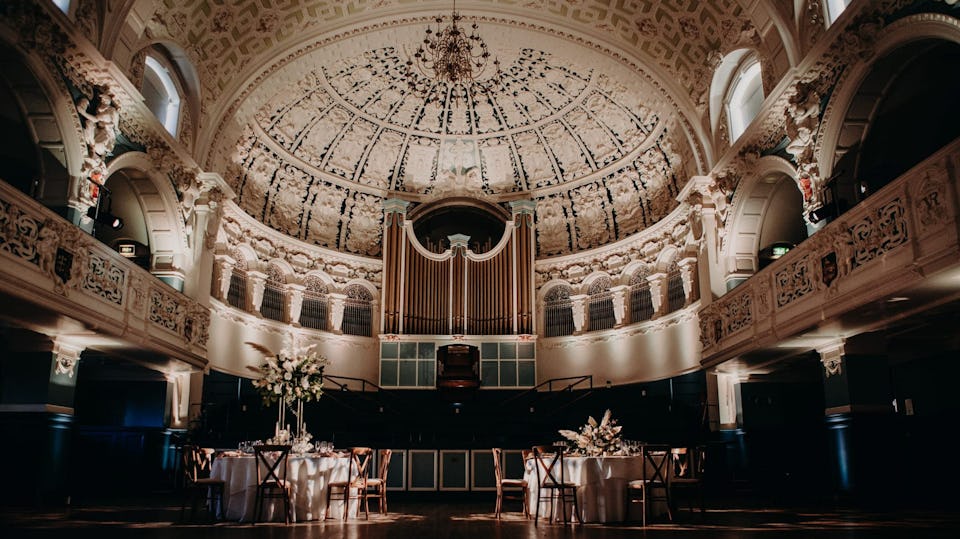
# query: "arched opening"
271,306
558,312
313,310
119,219
641,302
161,92
357,313
782,226
21,166
433,225
745,96
903,112
601,305
676,297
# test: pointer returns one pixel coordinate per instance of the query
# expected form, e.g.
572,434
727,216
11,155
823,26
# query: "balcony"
888,263
57,280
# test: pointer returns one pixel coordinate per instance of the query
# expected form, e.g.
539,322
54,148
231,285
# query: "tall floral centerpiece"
594,438
291,377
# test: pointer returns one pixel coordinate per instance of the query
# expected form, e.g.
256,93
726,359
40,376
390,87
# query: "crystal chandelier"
450,57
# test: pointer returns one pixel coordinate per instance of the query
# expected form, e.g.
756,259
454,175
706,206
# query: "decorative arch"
924,26
173,67
159,205
740,71
56,151
557,309
755,198
641,300
600,302
358,308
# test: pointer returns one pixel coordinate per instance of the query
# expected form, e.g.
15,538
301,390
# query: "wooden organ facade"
458,291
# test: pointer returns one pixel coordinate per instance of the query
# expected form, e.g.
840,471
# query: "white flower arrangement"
295,374
594,438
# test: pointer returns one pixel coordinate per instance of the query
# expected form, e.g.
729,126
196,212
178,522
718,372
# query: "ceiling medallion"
450,59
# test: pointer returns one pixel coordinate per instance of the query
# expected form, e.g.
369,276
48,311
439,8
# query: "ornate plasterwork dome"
324,136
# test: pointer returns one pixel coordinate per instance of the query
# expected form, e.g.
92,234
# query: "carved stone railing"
47,260
888,242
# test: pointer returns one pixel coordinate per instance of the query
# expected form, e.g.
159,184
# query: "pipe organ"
458,291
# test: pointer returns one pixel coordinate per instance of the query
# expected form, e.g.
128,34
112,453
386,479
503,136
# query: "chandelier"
450,57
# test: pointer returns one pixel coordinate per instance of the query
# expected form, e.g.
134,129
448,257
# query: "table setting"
288,379
601,463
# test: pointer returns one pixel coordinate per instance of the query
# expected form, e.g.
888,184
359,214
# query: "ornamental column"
658,292
294,299
337,304
619,303
578,304
257,282
38,379
861,418
688,274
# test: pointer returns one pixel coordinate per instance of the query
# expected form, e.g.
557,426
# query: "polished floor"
158,516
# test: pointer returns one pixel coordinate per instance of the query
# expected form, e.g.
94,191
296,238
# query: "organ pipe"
458,291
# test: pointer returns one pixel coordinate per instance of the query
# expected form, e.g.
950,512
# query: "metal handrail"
549,384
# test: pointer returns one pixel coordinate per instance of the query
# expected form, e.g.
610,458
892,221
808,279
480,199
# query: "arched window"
558,312
641,303
744,96
161,92
357,319
676,298
313,312
237,293
271,306
835,8
64,5
601,305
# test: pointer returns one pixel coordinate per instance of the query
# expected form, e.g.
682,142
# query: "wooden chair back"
384,466
657,463
271,464
498,465
548,461
359,461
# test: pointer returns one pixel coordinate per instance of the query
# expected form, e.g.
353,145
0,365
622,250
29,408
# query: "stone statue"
99,133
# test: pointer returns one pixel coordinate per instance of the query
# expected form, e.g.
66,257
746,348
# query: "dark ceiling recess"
434,228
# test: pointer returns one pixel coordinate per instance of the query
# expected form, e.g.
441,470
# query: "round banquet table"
308,475
602,489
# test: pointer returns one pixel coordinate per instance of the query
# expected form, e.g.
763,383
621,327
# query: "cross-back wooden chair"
377,486
508,489
197,484
272,478
654,484
688,467
548,461
355,487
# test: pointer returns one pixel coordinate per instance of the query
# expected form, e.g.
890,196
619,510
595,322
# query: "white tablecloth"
308,476
603,487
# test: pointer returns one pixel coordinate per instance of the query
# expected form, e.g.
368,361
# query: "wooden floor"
159,517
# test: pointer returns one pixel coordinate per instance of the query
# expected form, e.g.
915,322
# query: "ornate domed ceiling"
309,118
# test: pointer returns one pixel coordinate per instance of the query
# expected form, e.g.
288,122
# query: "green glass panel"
408,350
526,373
508,373
408,373
525,350
490,373
426,350
508,350
388,373
425,370
388,350
488,350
